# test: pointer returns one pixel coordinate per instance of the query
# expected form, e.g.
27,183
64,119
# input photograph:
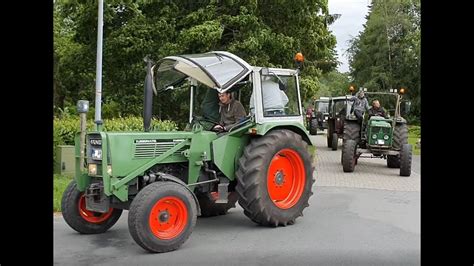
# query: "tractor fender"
168,177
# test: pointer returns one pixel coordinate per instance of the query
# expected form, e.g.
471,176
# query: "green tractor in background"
319,116
381,137
167,179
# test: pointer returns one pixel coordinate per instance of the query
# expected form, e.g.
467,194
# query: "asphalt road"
343,225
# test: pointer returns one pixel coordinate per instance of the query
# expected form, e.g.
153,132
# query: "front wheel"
405,160
275,178
73,207
349,159
334,142
162,216
313,127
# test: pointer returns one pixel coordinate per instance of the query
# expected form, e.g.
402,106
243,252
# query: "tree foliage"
264,33
386,55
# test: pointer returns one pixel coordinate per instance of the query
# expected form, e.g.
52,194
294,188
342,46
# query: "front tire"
349,159
162,216
313,127
405,160
334,142
275,178
73,207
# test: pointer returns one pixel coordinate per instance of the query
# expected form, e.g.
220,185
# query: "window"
279,96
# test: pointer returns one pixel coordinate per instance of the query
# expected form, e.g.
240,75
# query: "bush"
65,128
414,131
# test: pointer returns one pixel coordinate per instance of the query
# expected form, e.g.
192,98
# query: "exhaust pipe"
98,79
148,95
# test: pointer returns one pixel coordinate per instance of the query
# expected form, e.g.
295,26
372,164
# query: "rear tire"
349,155
351,131
275,178
313,127
334,142
82,220
400,136
405,160
209,207
162,216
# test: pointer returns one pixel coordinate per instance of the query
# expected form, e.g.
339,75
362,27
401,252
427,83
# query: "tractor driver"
231,112
376,109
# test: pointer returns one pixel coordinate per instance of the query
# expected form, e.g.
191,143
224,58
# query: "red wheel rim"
168,217
286,178
90,216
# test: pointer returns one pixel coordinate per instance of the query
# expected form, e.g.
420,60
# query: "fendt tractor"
166,179
377,136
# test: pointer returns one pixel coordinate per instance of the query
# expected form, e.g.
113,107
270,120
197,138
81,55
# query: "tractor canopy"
217,69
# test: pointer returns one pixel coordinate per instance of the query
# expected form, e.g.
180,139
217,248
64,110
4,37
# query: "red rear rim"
90,216
286,178
168,217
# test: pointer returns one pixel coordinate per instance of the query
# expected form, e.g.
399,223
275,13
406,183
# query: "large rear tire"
73,207
209,207
351,131
405,160
349,155
162,216
400,136
275,178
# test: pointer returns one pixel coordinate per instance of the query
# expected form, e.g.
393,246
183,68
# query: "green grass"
60,182
413,136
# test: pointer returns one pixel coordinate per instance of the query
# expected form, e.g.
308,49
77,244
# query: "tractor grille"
152,150
385,130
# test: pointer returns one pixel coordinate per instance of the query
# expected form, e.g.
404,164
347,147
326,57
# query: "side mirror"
406,106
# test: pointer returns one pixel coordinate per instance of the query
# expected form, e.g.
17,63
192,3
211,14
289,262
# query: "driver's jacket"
231,113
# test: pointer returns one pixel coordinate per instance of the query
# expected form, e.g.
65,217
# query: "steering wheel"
200,119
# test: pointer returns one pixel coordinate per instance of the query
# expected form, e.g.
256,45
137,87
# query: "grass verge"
60,182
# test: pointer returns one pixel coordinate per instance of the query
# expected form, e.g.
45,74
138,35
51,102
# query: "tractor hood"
218,70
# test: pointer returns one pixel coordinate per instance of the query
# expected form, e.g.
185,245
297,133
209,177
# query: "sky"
349,25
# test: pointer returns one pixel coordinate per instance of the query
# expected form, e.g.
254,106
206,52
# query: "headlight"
92,169
96,154
380,141
385,137
109,169
374,136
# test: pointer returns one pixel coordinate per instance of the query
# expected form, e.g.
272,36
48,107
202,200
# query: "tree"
386,55
264,33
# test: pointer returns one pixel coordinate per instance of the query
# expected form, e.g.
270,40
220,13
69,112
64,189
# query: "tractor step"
223,189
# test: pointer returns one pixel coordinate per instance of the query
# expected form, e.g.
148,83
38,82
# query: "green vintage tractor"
319,116
166,179
380,137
